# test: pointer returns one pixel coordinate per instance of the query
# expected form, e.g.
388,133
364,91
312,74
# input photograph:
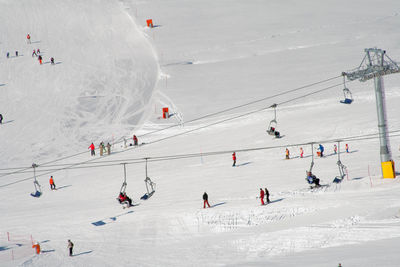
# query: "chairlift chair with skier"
271,130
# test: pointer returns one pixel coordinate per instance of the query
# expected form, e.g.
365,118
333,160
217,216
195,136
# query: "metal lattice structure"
374,64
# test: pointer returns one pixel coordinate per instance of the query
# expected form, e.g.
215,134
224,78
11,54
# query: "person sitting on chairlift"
123,197
277,134
272,129
312,179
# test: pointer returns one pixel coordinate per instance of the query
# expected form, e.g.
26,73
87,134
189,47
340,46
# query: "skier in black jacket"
205,198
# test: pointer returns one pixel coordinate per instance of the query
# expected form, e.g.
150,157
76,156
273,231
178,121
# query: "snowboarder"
335,149
262,196
347,148
312,179
52,184
92,150
52,60
301,152
28,38
267,195
321,149
108,148
70,247
101,148
40,59
34,53
234,159
16,53
287,154
1,119
205,200
37,247
135,140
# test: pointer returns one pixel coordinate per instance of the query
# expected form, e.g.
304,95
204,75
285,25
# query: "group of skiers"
70,247
320,151
107,148
102,149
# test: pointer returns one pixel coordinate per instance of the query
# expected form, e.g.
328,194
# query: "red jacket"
234,156
91,147
261,193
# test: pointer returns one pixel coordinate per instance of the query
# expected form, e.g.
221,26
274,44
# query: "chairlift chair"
341,167
273,123
348,97
124,184
149,184
38,189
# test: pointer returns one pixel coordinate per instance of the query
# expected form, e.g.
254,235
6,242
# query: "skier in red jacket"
234,159
92,150
135,140
262,196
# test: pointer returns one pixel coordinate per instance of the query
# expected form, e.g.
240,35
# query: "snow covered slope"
211,55
103,78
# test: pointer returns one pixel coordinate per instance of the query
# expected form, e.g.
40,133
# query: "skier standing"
1,119
34,53
92,150
335,148
301,152
124,142
262,196
347,148
16,53
101,148
135,140
28,38
234,159
267,195
108,148
52,60
8,54
205,200
40,59
321,149
37,247
70,247
287,154
52,184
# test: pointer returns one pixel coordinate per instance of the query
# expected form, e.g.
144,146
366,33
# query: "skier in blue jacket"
321,149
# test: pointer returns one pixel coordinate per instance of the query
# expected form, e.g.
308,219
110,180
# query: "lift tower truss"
375,65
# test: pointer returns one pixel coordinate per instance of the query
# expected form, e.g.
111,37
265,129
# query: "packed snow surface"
217,66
